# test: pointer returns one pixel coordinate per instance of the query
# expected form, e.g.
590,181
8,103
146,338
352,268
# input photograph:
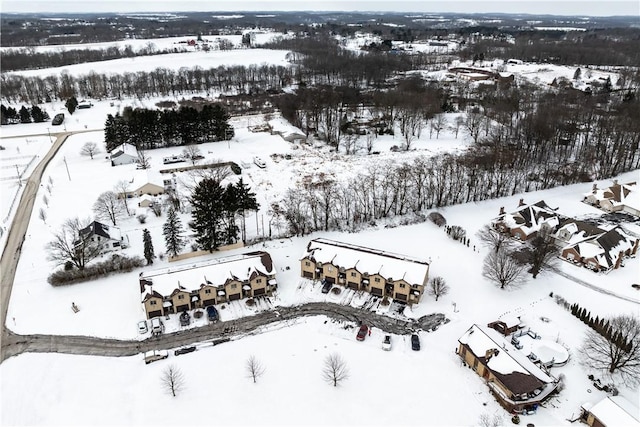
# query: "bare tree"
144,161
350,142
42,215
335,369
89,149
457,233
192,153
108,207
438,123
438,287
172,380
410,122
72,244
458,122
255,369
500,267
617,353
541,253
493,239
485,420
370,138
45,199
473,124
122,188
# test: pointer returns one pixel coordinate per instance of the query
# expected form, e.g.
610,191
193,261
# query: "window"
307,263
233,286
180,296
402,286
153,302
353,274
330,269
116,244
475,364
259,280
377,280
207,291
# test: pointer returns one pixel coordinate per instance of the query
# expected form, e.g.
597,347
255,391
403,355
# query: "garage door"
259,292
234,297
307,274
353,285
208,302
156,313
376,291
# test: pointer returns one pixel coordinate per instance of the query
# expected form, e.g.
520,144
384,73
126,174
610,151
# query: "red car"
362,332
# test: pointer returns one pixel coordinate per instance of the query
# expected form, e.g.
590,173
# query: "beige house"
516,382
616,198
178,289
380,273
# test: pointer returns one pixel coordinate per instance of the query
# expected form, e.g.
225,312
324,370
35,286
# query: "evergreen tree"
172,231
246,201
207,203
4,120
38,114
148,246
25,115
71,104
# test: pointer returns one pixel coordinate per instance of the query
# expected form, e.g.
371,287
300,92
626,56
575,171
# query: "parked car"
326,287
362,332
57,119
152,356
142,327
259,162
212,313
415,342
184,350
386,343
157,327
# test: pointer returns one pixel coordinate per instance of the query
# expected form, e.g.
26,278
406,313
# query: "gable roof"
213,272
616,411
99,229
124,149
604,247
367,260
509,365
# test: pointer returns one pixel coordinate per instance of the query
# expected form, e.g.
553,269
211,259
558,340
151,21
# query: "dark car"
58,119
212,313
184,350
415,342
362,332
326,287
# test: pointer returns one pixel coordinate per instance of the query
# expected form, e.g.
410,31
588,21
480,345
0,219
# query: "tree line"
149,129
9,115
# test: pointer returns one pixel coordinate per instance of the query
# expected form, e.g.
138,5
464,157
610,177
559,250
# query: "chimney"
501,210
615,182
490,353
521,202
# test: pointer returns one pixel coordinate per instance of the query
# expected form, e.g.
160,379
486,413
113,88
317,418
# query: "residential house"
177,289
123,154
616,198
570,231
380,273
602,252
506,325
150,183
107,237
612,411
518,384
524,223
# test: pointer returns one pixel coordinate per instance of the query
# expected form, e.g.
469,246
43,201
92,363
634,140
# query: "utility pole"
67,166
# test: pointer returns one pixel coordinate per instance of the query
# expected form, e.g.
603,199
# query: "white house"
107,237
123,154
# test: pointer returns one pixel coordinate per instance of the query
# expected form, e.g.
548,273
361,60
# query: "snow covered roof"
99,229
604,247
367,260
618,194
616,411
123,149
507,363
214,272
530,218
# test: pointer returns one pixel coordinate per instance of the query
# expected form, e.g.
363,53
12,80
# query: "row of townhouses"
580,242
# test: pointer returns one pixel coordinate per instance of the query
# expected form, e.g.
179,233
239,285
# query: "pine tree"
71,104
172,231
148,246
207,203
25,115
38,114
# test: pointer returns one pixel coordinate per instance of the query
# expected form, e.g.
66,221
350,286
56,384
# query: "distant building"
177,289
380,273
616,198
524,223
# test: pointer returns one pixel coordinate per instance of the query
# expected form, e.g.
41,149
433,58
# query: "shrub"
142,218
437,219
515,419
68,266
235,168
117,263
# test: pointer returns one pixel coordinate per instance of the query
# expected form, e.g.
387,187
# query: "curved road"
16,344
18,230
